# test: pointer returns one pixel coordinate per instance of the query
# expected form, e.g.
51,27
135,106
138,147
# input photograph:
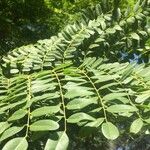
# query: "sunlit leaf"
79,117
10,132
19,143
44,125
46,110
18,115
57,141
110,131
121,108
136,126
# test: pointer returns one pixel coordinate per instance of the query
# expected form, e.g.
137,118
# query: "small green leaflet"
44,125
46,110
127,72
147,120
4,126
142,97
76,91
79,117
131,20
121,108
136,126
108,85
135,36
19,143
80,102
104,78
95,123
117,27
110,131
14,71
93,46
112,96
10,132
137,5
57,141
18,115
111,30
10,106
41,87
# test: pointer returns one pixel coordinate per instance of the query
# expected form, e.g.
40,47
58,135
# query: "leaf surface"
110,131
44,125
57,141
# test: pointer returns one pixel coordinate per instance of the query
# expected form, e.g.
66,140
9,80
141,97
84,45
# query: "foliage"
76,83
26,21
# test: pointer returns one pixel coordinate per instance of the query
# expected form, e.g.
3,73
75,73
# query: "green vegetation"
26,21
85,88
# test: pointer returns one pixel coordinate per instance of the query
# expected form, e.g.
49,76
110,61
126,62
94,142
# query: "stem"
62,100
100,98
28,99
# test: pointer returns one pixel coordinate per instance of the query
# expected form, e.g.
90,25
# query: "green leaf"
10,106
120,108
93,46
44,125
117,27
98,40
79,117
19,143
103,24
79,103
128,71
4,126
104,78
110,30
147,120
110,131
108,85
95,123
142,97
46,110
131,20
112,96
136,126
75,91
135,36
136,7
10,132
14,71
57,141
18,115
